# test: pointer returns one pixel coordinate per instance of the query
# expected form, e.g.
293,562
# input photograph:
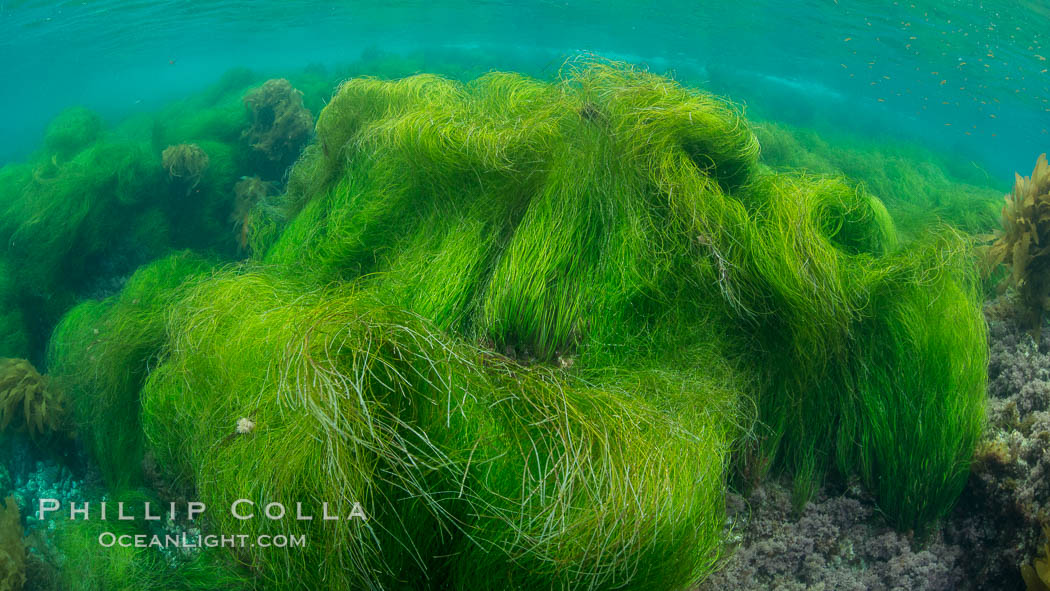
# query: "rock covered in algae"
401,451
837,541
78,226
1007,498
444,248
55,227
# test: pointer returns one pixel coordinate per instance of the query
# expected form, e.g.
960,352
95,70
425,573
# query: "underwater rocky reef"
991,539
540,332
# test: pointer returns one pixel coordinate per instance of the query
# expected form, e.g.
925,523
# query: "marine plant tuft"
280,124
28,400
1023,243
185,163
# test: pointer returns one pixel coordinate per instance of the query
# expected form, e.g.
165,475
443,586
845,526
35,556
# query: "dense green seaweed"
76,554
95,202
527,325
569,250
59,214
71,131
919,187
918,387
101,353
452,451
69,224
14,342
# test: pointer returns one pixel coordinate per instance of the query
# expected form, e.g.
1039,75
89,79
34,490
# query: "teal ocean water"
513,292
966,77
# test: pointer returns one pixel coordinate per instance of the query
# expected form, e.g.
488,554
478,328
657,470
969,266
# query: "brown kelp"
1023,243
28,401
1037,575
185,163
280,124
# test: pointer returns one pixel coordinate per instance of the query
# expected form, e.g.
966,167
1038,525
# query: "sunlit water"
967,78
